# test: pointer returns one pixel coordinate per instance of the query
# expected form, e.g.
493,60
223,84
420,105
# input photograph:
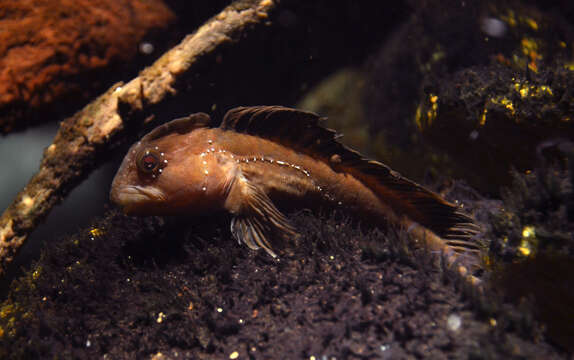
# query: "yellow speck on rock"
504,101
160,317
418,117
510,18
521,89
36,273
524,90
483,117
6,310
96,232
234,355
533,24
528,243
528,232
525,250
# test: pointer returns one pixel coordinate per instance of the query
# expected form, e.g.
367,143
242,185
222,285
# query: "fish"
263,158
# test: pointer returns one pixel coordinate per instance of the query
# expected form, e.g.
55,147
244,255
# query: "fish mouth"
131,196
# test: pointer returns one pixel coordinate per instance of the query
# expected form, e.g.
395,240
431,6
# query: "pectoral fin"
256,221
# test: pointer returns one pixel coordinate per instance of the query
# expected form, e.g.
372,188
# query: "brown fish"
266,155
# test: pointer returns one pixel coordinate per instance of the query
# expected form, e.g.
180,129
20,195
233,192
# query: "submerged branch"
85,139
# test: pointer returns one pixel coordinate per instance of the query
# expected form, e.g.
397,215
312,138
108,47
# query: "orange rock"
46,44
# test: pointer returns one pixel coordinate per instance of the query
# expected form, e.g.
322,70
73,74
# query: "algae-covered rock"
139,288
473,88
532,251
489,119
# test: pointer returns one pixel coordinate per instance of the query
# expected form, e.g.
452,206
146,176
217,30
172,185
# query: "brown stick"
84,139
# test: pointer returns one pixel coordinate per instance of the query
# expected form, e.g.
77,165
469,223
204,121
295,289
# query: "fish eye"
149,161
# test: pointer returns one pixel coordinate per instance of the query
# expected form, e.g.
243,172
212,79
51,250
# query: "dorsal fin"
181,125
302,131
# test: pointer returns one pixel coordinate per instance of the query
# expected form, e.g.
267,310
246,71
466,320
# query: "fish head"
163,173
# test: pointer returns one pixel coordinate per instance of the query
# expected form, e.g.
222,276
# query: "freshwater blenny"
266,155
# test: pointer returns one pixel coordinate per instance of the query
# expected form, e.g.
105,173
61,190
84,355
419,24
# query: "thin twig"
84,140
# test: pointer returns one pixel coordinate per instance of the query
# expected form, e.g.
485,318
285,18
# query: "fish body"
265,156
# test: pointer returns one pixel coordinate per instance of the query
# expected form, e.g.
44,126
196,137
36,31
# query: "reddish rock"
45,44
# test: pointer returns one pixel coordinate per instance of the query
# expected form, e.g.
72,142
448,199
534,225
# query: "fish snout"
135,199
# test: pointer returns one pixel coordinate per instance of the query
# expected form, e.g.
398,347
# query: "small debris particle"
234,355
335,159
146,48
453,322
158,356
51,149
219,310
493,27
27,203
160,317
